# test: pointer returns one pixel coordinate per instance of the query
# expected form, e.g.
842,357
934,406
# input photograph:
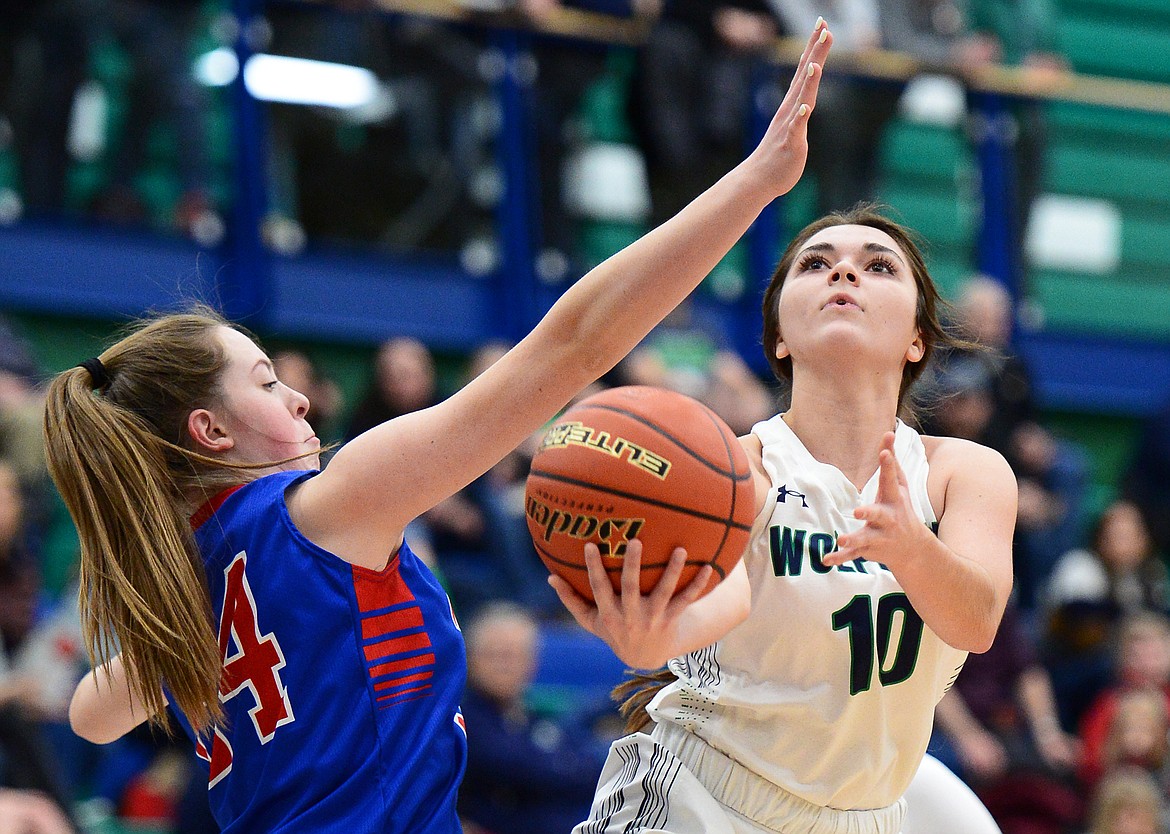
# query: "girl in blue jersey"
314,658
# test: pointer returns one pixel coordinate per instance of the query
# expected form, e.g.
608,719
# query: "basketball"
645,463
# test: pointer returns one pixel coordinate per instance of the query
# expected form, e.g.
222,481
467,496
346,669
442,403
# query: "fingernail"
824,36
820,23
803,111
811,70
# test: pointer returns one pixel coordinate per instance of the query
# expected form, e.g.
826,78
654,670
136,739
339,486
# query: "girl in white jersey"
798,696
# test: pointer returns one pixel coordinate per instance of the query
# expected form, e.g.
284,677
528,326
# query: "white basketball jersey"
828,689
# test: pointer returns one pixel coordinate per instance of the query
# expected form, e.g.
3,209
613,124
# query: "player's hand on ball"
642,629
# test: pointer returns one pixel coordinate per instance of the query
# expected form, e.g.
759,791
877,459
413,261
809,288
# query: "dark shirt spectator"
1147,480
525,774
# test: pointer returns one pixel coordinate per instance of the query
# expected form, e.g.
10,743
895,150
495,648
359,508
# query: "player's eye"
813,261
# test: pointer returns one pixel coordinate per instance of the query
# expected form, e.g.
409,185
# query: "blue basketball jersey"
340,685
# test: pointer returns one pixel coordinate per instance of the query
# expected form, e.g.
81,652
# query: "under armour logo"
783,492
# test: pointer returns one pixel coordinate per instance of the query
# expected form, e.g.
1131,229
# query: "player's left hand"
893,533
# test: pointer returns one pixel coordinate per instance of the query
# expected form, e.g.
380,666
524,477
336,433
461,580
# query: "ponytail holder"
101,377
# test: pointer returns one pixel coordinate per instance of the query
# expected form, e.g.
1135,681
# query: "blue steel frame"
347,297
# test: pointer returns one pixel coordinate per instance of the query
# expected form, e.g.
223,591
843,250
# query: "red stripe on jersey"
403,620
204,513
397,695
380,589
397,645
401,665
390,684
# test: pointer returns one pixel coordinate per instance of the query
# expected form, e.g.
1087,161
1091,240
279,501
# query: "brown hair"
930,309
120,455
635,694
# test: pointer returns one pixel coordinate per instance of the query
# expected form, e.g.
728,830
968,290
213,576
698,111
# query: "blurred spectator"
19,573
984,393
44,48
1021,33
933,31
1138,735
689,354
984,314
27,762
1053,477
693,93
999,729
1128,801
157,36
525,774
296,370
21,408
565,71
1089,591
405,380
1143,663
845,137
1120,569
1147,479
518,573
30,812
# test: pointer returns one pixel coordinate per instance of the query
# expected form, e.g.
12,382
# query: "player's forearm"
608,312
709,619
955,596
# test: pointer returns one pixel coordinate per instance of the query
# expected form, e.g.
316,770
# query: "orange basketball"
645,463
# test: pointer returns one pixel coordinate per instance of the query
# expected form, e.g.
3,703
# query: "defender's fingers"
800,74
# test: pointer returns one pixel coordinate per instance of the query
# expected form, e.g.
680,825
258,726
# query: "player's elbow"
980,643
975,637
87,720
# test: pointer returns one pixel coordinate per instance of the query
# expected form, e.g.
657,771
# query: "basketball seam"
717,421
617,568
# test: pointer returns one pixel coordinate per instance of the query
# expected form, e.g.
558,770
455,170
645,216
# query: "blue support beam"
245,284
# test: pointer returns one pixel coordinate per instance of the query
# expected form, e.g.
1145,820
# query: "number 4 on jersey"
254,666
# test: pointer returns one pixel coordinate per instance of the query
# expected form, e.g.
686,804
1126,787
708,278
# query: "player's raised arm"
386,477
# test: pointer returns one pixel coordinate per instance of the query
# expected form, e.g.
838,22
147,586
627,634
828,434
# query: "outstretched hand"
782,152
893,532
642,630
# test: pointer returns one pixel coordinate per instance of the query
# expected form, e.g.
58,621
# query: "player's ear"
917,348
204,428
782,351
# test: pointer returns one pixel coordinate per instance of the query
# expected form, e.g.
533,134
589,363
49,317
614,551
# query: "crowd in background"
1064,726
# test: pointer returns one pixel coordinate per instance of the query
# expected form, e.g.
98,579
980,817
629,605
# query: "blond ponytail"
114,449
